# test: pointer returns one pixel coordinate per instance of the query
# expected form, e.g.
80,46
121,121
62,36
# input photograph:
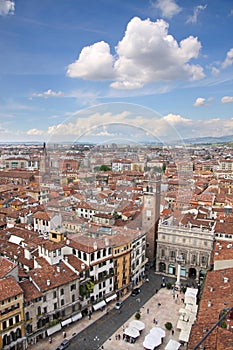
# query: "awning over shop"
98,306
77,317
172,345
114,296
54,329
67,321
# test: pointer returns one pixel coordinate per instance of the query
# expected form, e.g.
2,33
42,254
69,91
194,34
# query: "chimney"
58,268
48,282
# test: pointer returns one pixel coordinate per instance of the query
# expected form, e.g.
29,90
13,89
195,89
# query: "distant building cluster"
80,225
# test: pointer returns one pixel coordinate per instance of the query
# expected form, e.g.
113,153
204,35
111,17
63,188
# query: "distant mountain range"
191,141
209,139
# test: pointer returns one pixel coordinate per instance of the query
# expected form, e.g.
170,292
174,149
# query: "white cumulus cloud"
7,7
35,132
176,119
95,62
200,101
168,8
147,53
227,99
49,93
229,59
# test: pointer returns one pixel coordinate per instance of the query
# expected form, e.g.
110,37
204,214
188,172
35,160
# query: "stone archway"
192,273
5,340
18,333
162,267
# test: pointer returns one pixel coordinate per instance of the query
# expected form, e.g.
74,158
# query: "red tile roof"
9,288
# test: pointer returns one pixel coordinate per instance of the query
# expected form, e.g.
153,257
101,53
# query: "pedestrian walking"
172,331
64,334
148,310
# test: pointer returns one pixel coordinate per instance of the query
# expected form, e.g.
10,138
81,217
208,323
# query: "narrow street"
101,329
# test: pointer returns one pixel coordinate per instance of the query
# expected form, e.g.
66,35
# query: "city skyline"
161,67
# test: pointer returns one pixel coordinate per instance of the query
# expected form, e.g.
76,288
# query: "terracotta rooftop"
30,291
217,296
223,250
9,288
5,266
52,276
41,215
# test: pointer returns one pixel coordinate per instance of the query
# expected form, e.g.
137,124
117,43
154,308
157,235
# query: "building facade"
193,247
12,332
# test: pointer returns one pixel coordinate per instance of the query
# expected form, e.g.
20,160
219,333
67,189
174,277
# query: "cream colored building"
193,245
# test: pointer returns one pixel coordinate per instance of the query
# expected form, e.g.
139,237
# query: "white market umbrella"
150,342
158,332
172,345
137,324
132,332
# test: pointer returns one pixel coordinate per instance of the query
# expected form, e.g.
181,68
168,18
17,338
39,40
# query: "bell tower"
151,214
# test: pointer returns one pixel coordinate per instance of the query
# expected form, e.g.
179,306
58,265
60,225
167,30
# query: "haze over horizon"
163,67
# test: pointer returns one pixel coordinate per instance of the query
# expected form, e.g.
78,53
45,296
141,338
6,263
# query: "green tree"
104,168
168,325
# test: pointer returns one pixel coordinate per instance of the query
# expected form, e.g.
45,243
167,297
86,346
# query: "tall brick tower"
44,164
150,214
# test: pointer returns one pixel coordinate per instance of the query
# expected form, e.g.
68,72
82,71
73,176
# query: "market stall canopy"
172,345
158,332
184,334
137,324
190,296
150,342
132,332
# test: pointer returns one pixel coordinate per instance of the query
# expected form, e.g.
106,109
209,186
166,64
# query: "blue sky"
71,69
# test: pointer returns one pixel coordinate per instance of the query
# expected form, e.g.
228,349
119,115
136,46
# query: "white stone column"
178,275
179,260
